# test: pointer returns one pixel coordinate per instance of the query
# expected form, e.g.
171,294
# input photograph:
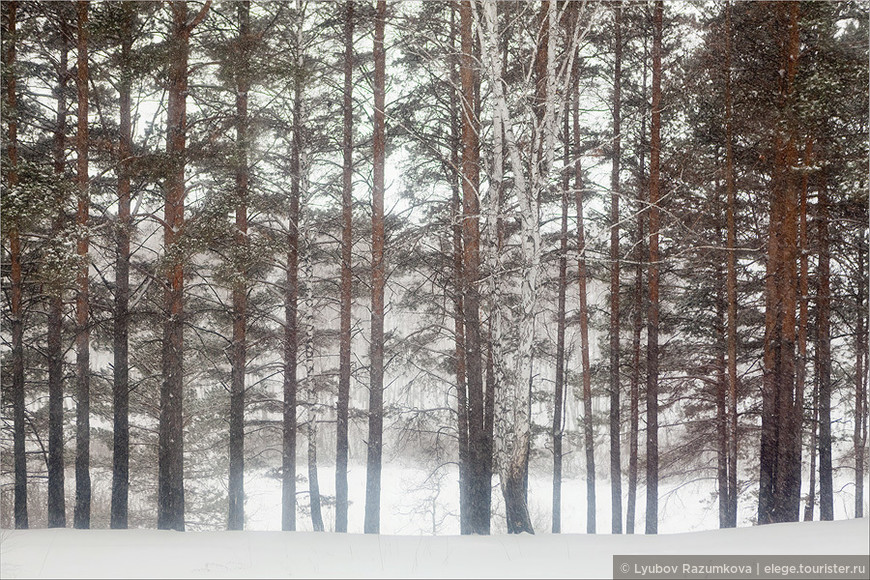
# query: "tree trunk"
859,437
343,402
495,375
588,438
559,393
589,441
652,359
313,481
120,342
458,324
803,310
823,312
312,405
170,486
731,283
236,490
615,454
809,508
376,393
16,310
54,346
291,303
82,514
637,321
721,396
779,494
479,487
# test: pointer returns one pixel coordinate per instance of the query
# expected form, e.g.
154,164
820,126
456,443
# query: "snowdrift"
66,553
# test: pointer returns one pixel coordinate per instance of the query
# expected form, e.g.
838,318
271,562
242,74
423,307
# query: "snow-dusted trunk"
810,506
859,436
637,326
779,478
823,346
54,346
372,523
559,390
312,406
496,376
291,299
343,400
170,486
236,516
615,455
803,313
18,402
530,177
479,474
82,513
512,421
120,335
652,359
583,315
731,281
458,322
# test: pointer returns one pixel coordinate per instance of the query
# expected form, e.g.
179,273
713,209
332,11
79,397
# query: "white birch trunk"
530,177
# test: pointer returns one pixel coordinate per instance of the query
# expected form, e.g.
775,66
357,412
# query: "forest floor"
67,553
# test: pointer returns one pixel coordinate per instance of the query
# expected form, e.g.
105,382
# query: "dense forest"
625,242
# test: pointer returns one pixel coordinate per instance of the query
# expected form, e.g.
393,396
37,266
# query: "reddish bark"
779,495
480,460
731,284
170,485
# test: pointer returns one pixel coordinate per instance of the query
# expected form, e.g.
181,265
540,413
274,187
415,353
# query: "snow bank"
160,554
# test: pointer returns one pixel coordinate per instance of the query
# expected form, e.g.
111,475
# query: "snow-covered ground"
160,554
419,501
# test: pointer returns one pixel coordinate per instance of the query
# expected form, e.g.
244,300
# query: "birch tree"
531,176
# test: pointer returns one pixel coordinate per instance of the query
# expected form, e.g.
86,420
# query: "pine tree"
652,362
83,372
479,486
346,275
236,517
170,502
779,493
120,339
615,426
15,311
376,390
